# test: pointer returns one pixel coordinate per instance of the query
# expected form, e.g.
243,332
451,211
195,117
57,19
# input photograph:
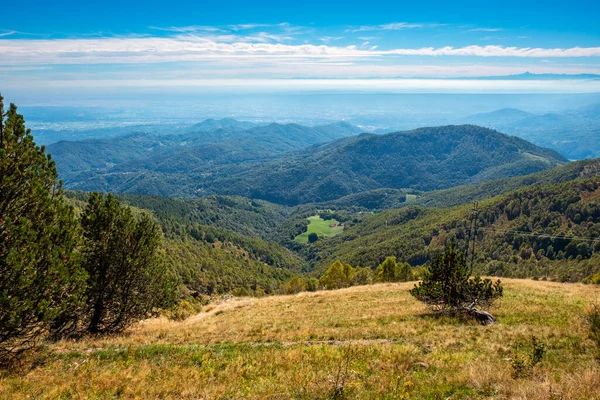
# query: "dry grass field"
368,342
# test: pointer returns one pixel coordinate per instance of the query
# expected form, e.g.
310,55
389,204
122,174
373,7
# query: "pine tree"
127,277
41,280
448,288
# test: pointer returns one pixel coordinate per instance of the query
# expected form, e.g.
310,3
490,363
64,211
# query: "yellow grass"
369,342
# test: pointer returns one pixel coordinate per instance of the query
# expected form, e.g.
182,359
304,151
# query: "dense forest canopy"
292,164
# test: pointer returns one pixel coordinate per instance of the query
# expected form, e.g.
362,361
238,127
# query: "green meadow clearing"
411,197
321,227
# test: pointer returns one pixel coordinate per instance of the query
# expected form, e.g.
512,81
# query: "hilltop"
373,341
574,133
176,164
423,159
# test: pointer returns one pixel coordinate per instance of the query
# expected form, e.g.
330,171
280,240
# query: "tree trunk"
482,316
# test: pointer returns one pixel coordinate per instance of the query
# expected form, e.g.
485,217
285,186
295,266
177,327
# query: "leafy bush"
390,271
448,288
182,311
312,284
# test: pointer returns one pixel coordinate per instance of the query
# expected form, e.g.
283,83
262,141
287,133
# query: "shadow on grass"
445,319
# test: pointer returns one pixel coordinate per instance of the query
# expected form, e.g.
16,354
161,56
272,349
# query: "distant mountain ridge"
294,164
574,133
423,159
224,123
109,164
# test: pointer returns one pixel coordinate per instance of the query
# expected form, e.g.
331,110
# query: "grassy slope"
293,347
320,227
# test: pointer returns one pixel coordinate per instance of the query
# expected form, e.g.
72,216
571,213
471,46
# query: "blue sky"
245,45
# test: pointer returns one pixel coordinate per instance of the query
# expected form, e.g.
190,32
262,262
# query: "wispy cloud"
7,33
187,29
261,45
485,30
242,27
327,39
394,26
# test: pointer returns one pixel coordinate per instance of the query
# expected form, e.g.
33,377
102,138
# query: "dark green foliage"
340,275
245,216
405,273
214,244
390,271
524,362
362,276
313,237
40,275
294,285
357,164
213,163
386,271
448,288
217,268
527,233
485,190
171,165
127,277
377,199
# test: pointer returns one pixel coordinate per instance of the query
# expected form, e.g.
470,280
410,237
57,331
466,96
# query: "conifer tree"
41,280
448,288
127,277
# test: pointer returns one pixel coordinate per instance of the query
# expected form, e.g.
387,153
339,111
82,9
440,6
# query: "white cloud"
485,30
187,29
259,46
327,39
359,85
394,26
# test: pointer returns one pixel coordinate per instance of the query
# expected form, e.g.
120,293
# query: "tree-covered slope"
214,244
147,163
385,199
424,159
551,230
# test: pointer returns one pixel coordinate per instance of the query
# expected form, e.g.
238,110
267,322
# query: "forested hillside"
540,231
385,199
176,164
214,245
424,159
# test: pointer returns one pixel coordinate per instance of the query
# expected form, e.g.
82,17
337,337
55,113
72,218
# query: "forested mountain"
128,163
537,231
573,133
423,159
466,194
214,245
226,123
